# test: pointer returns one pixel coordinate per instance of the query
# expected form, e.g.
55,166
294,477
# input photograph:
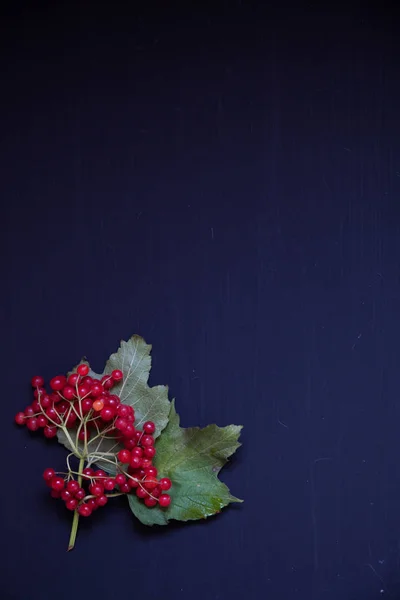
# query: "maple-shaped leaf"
150,403
192,459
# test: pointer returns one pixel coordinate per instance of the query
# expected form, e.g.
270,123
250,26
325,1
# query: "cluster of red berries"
87,406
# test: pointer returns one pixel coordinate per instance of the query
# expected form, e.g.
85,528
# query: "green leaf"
192,459
150,403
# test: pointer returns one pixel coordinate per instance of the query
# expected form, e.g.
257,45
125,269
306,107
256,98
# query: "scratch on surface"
355,343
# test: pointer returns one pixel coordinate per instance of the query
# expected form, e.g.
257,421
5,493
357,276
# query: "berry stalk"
75,520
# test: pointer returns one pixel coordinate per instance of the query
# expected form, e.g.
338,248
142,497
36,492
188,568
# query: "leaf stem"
75,521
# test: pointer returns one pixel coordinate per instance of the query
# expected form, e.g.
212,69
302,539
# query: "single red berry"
69,392
58,383
129,444
36,406
146,462
165,483
92,503
29,412
52,415
117,375
83,435
37,381
141,493
120,479
151,472
149,452
95,389
164,500
125,488
137,436
83,370
156,492
121,424
73,379
101,500
32,424
42,421
48,474
71,419
50,431
96,489
88,472
46,402
55,397
130,432
150,502
133,482
88,381
71,504
72,486
66,495
107,413
57,483
84,510
123,411
83,390
137,451
109,484
86,406
39,392
150,483
124,456
149,427
136,462
62,407
80,494
147,440
107,382
20,418
100,473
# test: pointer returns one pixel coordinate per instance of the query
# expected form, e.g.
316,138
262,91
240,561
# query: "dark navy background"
224,182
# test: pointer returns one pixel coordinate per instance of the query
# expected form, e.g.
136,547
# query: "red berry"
46,402
165,483
164,500
136,462
42,421
98,405
80,494
101,500
69,392
71,504
123,411
120,479
107,382
96,389
66,495
107,413
133,482
83,390
147,440
37,381
62,407
150,502
150,452
29,412
73,379
86,406
83,370
57,483
50,431
84,510
88,472
72,486
125,488
36,406
32,424
141,493
117,375
96,489
48,474
137,451
124,456
130,444
109,484
83,435
149,427
151,472
71,419
20,418
129,431
52,415
58,383
100,473
150,483
146,463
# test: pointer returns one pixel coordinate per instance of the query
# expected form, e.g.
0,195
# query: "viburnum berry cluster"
86,411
